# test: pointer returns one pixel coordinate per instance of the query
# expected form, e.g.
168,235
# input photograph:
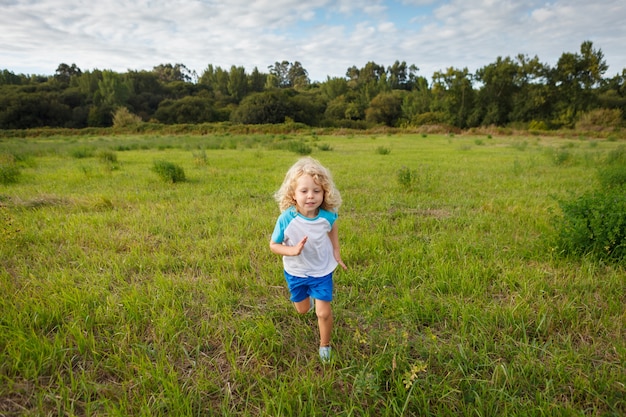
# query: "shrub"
600,119
594,224
122,117
381,150
169,171
537,125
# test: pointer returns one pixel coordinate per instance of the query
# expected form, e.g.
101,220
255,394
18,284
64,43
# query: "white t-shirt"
316,259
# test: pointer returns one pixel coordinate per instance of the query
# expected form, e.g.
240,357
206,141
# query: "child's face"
309,196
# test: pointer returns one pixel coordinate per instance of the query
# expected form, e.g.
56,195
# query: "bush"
595,224
169,171
599,120
122,117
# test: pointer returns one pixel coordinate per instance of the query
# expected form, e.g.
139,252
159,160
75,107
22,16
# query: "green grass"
123,294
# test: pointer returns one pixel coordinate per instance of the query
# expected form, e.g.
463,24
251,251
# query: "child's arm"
334,238
280,249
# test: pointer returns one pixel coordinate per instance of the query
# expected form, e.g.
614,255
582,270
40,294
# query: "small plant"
594,224
169,171
561,157
381,150
324,147
411,375
406,177
200,158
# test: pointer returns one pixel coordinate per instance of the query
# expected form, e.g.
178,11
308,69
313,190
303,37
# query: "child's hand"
338,259
298,248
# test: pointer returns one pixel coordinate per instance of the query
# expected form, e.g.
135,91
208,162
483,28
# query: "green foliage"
258,108
600,119
9,170
383,150
406,177
169,171
595,224
122,117
537,125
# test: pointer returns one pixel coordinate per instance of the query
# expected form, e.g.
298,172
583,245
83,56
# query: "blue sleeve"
278,236
330,216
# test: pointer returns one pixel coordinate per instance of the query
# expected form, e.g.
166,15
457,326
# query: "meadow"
123,294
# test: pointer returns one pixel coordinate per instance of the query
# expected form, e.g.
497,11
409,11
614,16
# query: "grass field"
123,294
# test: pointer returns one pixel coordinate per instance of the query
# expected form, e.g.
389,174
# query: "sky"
325,36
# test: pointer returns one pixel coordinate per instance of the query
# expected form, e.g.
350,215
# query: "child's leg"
303,306
324,321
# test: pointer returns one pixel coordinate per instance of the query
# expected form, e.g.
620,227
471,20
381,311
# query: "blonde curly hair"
322,176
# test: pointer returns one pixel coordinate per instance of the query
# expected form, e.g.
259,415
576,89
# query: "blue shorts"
319,288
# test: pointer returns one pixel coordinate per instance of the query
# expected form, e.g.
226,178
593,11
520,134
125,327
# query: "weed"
169,171
595,224
381,150
405,176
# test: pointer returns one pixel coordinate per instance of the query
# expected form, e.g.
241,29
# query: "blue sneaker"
325,352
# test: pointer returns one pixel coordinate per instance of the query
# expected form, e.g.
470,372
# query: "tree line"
515,91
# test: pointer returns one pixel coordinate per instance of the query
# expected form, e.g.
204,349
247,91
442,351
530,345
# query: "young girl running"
307,238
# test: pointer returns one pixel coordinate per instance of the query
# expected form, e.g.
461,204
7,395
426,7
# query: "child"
306,236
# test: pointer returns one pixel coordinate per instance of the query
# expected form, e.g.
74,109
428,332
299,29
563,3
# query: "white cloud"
326,36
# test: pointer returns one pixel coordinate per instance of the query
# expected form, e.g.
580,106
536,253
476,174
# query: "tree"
385,108
494,101
417,101
266,107
401,77
453,95
190,109
9,78
334,87
168,73
573,80
280,70
237,83
289,75
65,73
298,76
113,90
256,81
